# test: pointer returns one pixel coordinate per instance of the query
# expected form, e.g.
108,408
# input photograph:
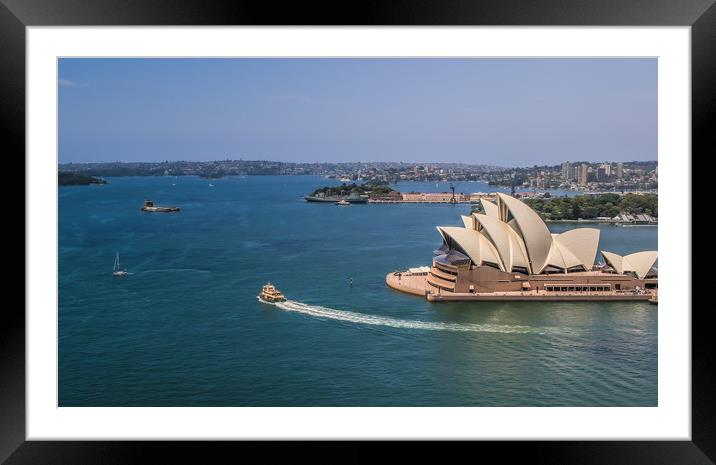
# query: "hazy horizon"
499,112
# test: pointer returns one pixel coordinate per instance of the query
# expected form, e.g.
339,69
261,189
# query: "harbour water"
185,327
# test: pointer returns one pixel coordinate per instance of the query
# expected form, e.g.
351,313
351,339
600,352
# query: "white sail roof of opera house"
561,257
473,244
490,208
511,236
582,242
535,234
639,263
509,245
468,221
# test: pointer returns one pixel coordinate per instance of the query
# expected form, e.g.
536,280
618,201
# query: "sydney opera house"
508,253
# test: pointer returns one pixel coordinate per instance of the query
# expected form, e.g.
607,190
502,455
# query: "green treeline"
353,188
592,206
76,179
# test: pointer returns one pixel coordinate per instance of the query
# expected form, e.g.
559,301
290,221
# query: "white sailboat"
117,270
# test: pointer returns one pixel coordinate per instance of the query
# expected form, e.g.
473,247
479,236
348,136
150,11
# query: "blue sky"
507,112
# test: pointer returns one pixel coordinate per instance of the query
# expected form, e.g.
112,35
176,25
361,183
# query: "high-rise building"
566,170
607,168
620,170
604,172
583,174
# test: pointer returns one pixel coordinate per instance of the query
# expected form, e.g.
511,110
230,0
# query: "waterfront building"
392,196
508,253
434,197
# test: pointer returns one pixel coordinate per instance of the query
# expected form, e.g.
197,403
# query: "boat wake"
363,318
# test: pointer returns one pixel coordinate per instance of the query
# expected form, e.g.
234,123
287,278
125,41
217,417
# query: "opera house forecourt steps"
508,253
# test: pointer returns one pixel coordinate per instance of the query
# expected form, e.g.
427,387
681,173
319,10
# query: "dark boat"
150,207
353,198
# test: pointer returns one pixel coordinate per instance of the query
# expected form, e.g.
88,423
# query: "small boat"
270,294
211,185
654,299
343,203
117,270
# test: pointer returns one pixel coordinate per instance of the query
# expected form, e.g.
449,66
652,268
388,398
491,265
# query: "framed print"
423,221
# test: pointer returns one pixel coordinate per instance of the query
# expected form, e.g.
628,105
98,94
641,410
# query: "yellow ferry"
270,294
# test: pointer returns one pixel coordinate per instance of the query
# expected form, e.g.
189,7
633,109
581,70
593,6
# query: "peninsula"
77,179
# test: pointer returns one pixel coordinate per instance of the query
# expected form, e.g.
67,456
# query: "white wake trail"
362,318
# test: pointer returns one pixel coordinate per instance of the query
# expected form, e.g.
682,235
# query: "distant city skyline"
359,162
500,112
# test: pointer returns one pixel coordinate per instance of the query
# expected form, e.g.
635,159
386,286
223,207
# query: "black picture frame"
16,15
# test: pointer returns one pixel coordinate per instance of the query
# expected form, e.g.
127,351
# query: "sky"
503,112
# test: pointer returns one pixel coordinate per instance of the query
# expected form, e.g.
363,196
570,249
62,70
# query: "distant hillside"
219,168
77,179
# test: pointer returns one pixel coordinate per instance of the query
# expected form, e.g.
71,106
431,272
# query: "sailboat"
117,270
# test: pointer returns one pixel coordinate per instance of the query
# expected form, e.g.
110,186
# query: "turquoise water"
185,328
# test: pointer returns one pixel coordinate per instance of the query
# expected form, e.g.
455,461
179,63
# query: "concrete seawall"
418,285
544,297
